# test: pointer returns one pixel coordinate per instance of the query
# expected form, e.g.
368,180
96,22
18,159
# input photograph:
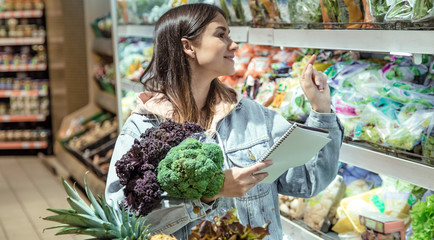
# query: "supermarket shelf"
239,33
21,14
103,46
23,118
356,40
131,86
23,67
106,101
410,171
21,41
22,93
298,230
146,31
24,145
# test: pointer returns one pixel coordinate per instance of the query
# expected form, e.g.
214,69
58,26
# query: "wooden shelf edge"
78,170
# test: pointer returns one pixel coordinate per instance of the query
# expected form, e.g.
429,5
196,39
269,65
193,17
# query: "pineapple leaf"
70,190
61,211
69,230
94,203
107,210
57,226
80,207
72,220
95,232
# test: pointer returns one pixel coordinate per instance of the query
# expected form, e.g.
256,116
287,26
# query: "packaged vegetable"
376,8
257,67
377,122
423,11
400,11
318,207
292,207
404,70
350,12
330,12
308,11
428,143
350,209
283,9
266,93
410,131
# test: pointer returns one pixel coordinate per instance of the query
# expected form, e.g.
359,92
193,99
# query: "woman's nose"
233,46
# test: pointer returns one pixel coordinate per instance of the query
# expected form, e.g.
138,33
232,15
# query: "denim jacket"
252,128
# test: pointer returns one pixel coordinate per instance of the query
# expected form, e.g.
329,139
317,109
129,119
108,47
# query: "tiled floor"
27,189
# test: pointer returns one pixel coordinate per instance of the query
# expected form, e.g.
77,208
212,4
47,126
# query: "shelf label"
239,34
40,117
6,118
25,145
37,144
262,36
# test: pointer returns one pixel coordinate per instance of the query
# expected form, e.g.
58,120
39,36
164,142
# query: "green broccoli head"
192,170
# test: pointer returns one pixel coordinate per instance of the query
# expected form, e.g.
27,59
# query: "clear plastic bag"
410,131
400,11
304,11
423,11
350,11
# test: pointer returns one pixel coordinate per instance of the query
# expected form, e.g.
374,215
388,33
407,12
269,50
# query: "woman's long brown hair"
169,71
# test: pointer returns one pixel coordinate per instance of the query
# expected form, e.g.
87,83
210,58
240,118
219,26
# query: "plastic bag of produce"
428,143
305,11
375,10
377,122
358,180
283,9
404,70
350,209
330,12
410,131
423,11
399,196
318,207
350,12
406,96
292,207
294,105
400,11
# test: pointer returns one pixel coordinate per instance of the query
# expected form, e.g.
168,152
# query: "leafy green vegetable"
192,170
422,217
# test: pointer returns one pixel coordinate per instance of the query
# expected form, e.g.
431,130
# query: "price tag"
239,34
5,118
262,36
37,144
40,117
25,145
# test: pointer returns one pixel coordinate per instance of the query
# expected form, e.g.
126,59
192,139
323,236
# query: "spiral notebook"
296,147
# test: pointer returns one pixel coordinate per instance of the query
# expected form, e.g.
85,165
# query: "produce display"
290,13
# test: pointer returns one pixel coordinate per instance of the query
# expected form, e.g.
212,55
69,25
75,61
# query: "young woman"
192,48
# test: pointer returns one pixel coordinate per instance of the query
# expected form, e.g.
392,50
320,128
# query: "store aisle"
27,189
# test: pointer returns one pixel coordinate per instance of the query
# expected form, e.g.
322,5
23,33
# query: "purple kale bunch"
137,169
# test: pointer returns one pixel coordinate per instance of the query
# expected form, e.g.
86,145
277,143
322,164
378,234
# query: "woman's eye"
221,35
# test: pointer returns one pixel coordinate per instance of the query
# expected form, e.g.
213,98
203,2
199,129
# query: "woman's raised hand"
315,87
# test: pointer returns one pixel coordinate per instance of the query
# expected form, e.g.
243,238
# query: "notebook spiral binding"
277,144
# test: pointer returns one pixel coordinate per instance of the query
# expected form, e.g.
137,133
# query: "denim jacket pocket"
245,156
